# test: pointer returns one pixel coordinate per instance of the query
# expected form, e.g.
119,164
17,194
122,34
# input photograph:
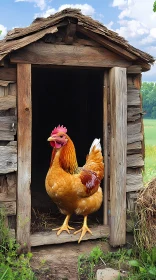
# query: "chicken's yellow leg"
84,229
65,226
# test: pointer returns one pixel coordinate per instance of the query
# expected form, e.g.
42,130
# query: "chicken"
74,190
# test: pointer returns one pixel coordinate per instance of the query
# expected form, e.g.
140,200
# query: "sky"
132,19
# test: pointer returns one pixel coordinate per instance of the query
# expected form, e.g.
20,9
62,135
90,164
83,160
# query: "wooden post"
105,144
118,151
24,156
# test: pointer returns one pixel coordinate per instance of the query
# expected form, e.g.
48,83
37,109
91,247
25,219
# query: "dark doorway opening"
69,97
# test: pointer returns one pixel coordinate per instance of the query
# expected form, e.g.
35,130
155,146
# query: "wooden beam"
47,238
70,32
134,69
69,55
24,155
118,151
8,74
107,43
105,144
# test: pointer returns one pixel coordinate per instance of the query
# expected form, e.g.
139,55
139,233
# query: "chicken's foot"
84,229
65,226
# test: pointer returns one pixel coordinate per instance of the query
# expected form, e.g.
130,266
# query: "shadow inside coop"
73,98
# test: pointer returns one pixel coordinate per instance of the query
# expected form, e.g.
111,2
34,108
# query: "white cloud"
132,28
109,25
3,30
85,9
137,20
119,3
39,3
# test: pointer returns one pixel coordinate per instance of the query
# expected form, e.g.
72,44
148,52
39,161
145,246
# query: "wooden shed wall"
8,143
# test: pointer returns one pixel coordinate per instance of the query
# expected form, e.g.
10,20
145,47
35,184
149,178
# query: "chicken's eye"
61,136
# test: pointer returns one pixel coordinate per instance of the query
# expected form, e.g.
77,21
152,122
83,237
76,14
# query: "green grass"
150,149
139,264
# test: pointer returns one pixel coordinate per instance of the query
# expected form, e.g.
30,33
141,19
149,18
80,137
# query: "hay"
145,233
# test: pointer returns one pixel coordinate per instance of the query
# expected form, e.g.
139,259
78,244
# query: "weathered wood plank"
8,159
3,90
105,144
133,97
134,138
135,160
5,83
134,147
7,122
7,135
8,74
134,182
133,128
7,102
13,89
24,155
46,238
133,113
70,32
9,207
8,187
107,43
134,69
42,53
118,151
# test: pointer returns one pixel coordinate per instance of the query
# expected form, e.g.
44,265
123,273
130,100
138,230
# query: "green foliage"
150,149
144,266
12,267
154,6
148,91
140,264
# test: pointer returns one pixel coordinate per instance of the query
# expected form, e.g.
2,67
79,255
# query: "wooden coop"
69,69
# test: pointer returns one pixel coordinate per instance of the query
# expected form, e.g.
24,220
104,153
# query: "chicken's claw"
65,226
84,229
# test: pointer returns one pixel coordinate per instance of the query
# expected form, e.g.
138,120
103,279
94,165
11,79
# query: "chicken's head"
58,137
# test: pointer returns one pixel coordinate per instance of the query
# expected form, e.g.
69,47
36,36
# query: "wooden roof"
21,37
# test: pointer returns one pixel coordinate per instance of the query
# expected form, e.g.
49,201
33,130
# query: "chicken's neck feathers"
65,157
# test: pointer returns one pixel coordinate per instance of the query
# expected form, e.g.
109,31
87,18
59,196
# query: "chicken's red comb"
59,129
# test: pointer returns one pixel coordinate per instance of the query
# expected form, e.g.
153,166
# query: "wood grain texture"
24,155
8,74
133,97
134,182
8,187
107,43
105,144
118,151
46,238
135,160
42,53
7,102
8,159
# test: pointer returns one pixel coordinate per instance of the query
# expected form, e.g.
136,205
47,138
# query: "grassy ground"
150,149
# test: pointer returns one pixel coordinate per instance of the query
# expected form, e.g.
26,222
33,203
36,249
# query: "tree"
154,6
148,91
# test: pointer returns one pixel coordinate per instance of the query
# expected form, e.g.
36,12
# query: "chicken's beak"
50,139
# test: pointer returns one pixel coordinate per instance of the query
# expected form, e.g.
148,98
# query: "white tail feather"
97,145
